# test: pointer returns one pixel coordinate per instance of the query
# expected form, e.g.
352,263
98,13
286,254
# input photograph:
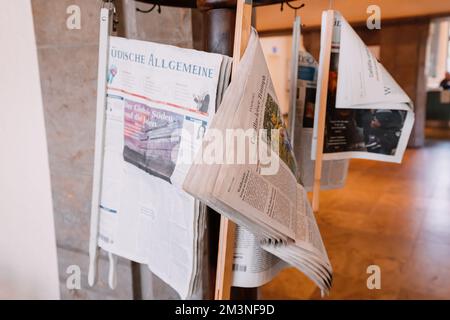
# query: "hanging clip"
291,6
151,9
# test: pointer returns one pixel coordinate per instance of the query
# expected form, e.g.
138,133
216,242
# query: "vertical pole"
126,10
218,26
219,18
127,13
321,101
294,76
105,28
224,270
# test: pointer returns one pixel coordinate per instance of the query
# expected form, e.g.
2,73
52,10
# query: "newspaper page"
160,101
144,215
269,186
334,172
260,190
368,115
252,265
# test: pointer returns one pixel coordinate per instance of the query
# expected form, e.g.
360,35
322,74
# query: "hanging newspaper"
368,115
246,170
160,100
334,172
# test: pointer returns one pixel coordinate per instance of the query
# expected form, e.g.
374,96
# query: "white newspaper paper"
368,115
159,104
160,101
259,195
252,265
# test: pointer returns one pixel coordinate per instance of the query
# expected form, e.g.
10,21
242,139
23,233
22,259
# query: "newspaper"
252,265
258,191
160,100
368,115
334,172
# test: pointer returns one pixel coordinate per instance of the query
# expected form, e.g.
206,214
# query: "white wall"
437,52
277,51
28,265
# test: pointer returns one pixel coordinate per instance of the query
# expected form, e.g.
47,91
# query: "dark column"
218,33
218,37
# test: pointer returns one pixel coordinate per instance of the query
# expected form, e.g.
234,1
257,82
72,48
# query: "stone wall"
68,71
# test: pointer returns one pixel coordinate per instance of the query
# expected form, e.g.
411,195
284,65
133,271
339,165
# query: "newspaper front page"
160,101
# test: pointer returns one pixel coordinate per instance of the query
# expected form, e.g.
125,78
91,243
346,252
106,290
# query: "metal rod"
105,29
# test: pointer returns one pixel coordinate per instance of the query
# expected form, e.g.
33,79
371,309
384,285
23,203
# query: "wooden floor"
393,216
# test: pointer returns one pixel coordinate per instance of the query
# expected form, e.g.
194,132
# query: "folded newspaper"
334,172
246,170
368,115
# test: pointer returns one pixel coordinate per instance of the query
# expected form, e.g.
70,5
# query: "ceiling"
270,18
